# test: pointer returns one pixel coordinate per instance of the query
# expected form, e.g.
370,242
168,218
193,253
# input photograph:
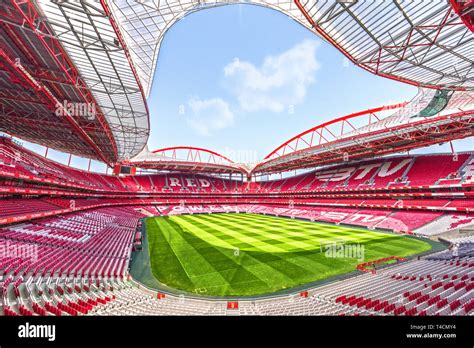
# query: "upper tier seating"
14,207
427,170
392,172
400,172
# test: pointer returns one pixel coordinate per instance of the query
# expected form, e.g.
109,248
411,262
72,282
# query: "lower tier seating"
77,264
446,222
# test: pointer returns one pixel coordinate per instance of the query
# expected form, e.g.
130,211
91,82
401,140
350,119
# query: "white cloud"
280,81
209,115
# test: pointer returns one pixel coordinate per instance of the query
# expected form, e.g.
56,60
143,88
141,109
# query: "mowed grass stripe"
164,262
239,241
263,234
266,262
360,239
306,260
261,272
298,263
294,266
306,229
275,220
289,225
309,226
234,233
229,270
339,233
259,242
312,239
251,219
209,280
185,251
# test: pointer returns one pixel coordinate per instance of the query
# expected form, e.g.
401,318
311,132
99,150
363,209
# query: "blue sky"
242,79
193,68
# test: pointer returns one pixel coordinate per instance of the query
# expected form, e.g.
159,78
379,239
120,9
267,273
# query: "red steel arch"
212,155
188,158
293,144
375,141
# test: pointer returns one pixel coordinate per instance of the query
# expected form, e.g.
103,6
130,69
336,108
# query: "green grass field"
246,254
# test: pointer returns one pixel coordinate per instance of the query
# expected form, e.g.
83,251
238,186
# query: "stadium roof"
186,159
67,80
421,43
104,53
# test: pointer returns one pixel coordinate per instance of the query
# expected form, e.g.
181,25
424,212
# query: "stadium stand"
367,175
83,259
82,228
446,223
435,285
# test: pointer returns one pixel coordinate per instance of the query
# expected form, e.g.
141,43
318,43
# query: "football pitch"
247,254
